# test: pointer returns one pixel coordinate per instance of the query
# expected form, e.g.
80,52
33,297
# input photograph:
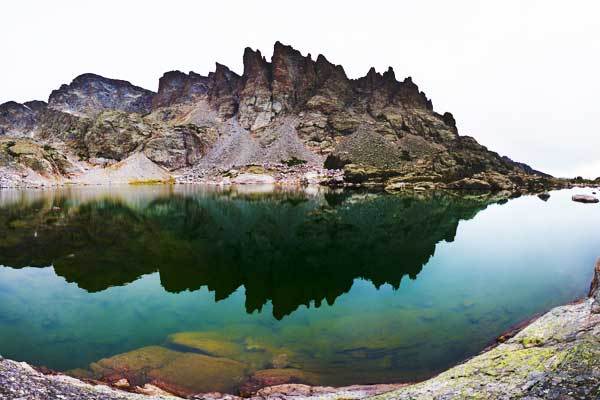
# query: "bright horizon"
521,78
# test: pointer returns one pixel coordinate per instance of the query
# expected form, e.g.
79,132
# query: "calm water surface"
353,288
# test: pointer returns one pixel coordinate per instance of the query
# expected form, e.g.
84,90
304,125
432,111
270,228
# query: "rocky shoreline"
556,356
138,169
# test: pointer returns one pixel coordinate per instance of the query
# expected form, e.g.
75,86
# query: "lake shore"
138,169
556,356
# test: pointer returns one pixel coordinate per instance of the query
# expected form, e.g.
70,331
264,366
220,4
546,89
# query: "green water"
355,287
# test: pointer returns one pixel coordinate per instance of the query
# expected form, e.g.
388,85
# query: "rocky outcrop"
24,162
555,357
289,108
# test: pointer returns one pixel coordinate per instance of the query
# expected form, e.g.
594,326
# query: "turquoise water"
356,287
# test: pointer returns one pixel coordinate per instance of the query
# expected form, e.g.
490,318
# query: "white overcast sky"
522,77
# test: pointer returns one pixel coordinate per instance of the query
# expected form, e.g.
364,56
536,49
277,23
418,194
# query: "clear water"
358,288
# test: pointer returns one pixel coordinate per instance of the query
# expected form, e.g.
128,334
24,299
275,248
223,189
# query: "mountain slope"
292,110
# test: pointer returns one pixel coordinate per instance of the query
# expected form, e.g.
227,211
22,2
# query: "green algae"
255,352
206,342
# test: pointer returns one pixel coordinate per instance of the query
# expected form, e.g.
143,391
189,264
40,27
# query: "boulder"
584,198
469,184
246,179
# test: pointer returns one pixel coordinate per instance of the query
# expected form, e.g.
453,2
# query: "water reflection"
289,248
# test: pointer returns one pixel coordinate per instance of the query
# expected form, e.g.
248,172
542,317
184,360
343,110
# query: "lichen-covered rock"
178,146
555,357
25,155
116,134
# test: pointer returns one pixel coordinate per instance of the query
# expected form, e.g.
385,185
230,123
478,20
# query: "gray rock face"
176,147
115,135
256,106
90,94
19,119
584,198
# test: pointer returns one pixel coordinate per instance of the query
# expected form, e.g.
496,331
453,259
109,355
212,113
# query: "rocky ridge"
557,356
289,112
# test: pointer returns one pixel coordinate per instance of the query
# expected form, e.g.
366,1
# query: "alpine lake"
206,289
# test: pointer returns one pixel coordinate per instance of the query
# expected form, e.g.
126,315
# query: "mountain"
289,116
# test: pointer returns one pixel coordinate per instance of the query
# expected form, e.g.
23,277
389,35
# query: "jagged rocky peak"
177,87
288,84
90,94
256,106
224,91
384,89
294,77
18,119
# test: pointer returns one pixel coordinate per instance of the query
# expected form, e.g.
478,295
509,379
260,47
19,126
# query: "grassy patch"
169,181
292,162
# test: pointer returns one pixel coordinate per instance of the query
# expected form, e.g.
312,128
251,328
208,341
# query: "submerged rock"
208,343
584,198
257,354
273,377
174,371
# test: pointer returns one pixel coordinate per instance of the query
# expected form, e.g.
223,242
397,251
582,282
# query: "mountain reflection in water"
215,289
291,248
